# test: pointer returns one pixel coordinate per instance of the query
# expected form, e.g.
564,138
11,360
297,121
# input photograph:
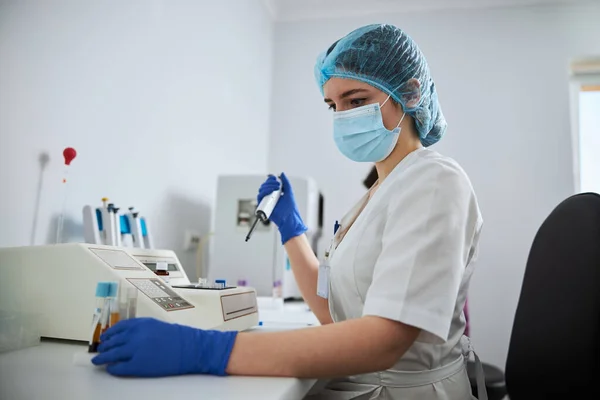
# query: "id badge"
323,280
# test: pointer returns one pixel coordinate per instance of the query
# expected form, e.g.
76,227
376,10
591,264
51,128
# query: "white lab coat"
407,257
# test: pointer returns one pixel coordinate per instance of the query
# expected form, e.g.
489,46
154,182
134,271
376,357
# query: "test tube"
113,291
128,303
202,283
220,284
102,290
277,289
132,295
162,268
277,298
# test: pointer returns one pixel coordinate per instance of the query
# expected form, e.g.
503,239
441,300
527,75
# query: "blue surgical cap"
385,57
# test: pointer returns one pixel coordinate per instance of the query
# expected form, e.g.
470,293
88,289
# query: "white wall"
502,77
589,140
150,94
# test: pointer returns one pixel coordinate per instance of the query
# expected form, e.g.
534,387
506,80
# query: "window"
589,138
585,121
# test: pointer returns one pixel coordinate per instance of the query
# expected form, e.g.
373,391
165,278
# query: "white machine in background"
58,284
262,261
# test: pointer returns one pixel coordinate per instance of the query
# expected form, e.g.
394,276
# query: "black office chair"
554,350
494,377
495,384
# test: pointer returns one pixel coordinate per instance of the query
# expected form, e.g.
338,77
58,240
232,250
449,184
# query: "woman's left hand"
147,347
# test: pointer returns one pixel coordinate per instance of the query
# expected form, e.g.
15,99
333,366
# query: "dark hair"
330,49
371,178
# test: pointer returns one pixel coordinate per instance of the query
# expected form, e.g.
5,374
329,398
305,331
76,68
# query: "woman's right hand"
285,214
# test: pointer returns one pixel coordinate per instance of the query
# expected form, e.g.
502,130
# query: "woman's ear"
411,93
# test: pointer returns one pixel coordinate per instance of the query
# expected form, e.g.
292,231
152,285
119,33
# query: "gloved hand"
285,214
147,347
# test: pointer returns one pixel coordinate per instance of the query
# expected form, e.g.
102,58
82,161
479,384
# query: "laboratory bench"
47,371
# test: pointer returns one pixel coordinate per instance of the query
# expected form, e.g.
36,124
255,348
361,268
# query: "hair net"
387,58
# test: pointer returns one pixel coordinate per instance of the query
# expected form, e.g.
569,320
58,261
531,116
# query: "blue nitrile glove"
147,347
285,214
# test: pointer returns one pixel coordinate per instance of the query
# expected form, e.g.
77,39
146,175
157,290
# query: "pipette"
69,155
265,208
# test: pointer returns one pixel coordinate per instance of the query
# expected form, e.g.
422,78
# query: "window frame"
584,75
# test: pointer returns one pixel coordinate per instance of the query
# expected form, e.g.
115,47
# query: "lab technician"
390,293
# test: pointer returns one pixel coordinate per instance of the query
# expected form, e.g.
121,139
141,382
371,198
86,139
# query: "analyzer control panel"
160,293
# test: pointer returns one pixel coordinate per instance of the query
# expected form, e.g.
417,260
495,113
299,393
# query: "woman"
390,293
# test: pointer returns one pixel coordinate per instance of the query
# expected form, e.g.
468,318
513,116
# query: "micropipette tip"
252,229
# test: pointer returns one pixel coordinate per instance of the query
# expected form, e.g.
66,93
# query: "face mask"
361,136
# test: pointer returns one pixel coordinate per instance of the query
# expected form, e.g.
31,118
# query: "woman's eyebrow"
347,93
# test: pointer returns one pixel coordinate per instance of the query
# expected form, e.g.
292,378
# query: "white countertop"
47,371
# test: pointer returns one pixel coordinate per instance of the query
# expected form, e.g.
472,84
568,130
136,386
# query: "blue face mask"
361,136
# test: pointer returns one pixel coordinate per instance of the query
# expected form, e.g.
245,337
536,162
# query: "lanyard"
324,269
330,250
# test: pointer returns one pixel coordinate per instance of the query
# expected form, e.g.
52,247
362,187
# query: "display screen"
152,267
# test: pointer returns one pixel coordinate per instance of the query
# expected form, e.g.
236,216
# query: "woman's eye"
357,102
332,107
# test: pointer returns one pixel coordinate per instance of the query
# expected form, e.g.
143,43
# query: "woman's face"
345,94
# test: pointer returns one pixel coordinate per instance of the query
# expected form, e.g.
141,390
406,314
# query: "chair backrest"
555,341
